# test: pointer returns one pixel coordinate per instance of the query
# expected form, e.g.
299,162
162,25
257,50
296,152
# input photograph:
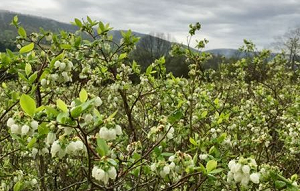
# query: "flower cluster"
157,132
21,130
243,171
110,134
102,175
63,73
174,167
72,148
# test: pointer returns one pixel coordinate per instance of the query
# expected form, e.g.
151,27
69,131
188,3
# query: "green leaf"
89,20
166,154
193,141
279,184
78,23
28,104
66,46
31,143
22,32
112,161
122,56
21,76
175,116
102,147
202,168
15,20
76,111
149,70
222,137
101,26
43,129
83,95
32,78
211,165
204,114
61,105
41,108
51,111
216,171
62,118
27,48
17,186
112,116
28,69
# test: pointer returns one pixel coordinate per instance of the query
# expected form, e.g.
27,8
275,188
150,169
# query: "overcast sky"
225,23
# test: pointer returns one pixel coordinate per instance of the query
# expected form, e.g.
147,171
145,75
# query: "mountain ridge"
32,23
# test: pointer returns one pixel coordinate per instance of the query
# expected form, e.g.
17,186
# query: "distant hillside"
30,23
228,53
34,23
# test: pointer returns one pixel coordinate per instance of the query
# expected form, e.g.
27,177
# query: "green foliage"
27,48
73,118
28,104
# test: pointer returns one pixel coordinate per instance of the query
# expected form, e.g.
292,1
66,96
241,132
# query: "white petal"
98,101
254,177
245,180
15,129
25,129
238,176
246,169
112,173
166,169
10,122
34,125
118,130
104,134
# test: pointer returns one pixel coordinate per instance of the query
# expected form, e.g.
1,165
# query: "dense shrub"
73,119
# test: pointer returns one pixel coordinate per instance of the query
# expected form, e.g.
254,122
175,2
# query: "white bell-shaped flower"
105,178
15,129
50,138
238,176
104,134
10,122
112,134
88,118
34,125
231,164
57,64
166,169
62,66
245,180
236,167
98,101
172,165
24,129
246,169
55,148
254,177
153,167
71,148
118,130
171,158
112,173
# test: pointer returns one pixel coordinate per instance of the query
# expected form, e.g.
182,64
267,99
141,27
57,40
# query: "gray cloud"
225,22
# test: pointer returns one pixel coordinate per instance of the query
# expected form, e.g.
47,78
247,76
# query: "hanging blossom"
243,171
110,134
101,175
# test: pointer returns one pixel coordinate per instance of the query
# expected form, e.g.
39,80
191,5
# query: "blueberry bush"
73,118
